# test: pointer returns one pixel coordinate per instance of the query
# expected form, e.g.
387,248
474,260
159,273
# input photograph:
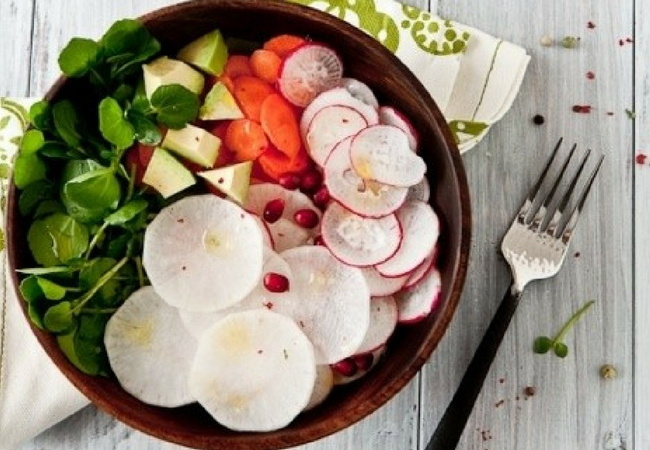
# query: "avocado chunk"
231,180
193,143
220,105
164,71
166,175
208,53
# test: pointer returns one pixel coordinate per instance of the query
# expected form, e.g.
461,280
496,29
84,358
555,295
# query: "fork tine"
540,215
530,198
557,214
567,232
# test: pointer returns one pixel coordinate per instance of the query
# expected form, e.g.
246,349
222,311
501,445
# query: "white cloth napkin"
474,78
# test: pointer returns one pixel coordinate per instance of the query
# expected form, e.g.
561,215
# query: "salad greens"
87,218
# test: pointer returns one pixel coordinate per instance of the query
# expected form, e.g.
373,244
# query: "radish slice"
253,371
380,285
267,239
423,269
390,116
308,71
417,303
203,253
383,320
381,153
340,379
341,97
420,228
365,198
261,297
322,387
287,234
360,91
421,191
150,351
333,302
330,126
360,241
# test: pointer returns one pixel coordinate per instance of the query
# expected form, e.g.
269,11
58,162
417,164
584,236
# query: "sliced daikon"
332,303
365,198
416,303
380,285
253,371
390,116
203,253
360,241
150,351
322,387
330,126
382,153
383,320
267,238
420,228
423,269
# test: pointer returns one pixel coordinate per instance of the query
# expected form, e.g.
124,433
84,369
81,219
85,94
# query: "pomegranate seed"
364,362
322,197
275,282
289,181
311,181
318,240
273,210
347,367
306,218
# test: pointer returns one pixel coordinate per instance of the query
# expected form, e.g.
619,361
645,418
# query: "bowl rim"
388,391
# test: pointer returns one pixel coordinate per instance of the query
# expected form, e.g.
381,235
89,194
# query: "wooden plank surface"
15,39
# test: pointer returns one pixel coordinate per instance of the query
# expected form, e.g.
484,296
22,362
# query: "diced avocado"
193,143
220,105
164,71
231,180
209,53
166,175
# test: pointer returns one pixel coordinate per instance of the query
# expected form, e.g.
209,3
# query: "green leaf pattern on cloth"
465,130
432,34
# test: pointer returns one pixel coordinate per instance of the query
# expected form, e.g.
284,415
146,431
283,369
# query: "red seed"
583,109
591,25
590,75
321,197
364,361
306,218
289,181
641,158
273,210
347,367
275,282
311,181
621,42
318,240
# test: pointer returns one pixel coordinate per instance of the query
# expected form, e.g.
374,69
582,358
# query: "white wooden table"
573,408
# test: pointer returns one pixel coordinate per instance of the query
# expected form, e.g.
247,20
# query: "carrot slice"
266,65
250,93
284,44
237,66
275,163
281,125
246,139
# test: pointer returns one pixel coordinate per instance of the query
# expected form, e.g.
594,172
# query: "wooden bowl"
412,345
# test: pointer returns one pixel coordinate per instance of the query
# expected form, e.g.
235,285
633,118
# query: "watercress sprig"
543,344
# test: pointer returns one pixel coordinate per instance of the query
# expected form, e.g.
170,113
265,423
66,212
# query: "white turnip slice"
380,285
330,126
322,387
383,320
390,116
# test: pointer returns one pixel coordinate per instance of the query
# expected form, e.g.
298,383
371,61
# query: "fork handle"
452,424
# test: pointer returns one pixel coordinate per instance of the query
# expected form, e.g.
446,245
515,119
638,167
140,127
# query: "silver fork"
535,247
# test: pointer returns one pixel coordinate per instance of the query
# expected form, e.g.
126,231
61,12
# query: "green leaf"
30,289
58,150
98,189
146,131
175,105
129,36
40,115
82,212
127,212
66,122
542,345
48,207
47,270
32,142
51,290
33,194
140,102
78,57
56,239
117,247
89,344
91,273
123,93
561,349
28,169
66,343
113,125
58,318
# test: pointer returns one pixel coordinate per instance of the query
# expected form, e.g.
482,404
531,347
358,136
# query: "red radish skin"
318,240
421,271
275,282
347,367
330,126
290,181
364,361
310,181
390,116
415,304
306,218
307,71
273,210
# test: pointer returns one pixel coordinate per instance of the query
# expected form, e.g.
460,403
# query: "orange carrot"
250,93
266,65
236,66
275,163
281,125
246,139
284,44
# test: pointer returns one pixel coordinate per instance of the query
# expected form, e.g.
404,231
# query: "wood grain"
15,39
573,408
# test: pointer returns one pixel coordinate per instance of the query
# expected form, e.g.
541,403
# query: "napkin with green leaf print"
473,77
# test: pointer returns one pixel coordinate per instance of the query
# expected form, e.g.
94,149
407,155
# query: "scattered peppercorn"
546,41
608,372
590,75
641,158
499,403
591,25
629,40
538,119
630,114
576,255
529,391
569,41
502,380
621,42
583,109
609,113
